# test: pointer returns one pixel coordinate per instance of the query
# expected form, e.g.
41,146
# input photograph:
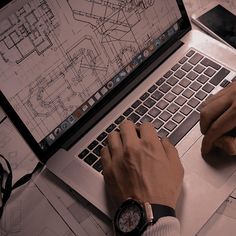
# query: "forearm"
166,226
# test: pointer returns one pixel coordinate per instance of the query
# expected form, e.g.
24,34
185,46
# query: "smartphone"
219,22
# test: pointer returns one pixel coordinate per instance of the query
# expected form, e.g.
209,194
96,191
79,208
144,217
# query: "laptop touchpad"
216,169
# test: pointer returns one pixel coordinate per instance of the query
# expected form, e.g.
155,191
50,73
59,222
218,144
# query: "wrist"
133,217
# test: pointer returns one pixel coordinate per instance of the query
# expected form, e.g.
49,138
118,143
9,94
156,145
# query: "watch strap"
160,211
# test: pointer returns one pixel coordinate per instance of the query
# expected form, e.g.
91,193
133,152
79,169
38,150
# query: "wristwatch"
133,216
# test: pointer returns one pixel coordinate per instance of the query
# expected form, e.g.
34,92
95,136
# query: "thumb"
227,143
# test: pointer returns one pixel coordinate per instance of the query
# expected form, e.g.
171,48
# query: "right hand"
137,164
218,119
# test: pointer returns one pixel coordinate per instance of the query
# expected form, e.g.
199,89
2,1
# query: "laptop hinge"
141,75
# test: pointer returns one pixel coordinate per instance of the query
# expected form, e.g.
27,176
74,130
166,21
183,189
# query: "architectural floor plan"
58,53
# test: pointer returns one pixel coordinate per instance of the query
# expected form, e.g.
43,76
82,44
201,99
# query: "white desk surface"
47,207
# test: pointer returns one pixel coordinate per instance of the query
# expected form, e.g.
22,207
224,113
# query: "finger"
228,144
212,111
170,150
222,92
128,133
148,132
106,161
114,143
221,126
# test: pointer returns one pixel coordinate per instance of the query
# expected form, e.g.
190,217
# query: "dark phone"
222,22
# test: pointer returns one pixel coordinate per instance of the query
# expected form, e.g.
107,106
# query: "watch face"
129,218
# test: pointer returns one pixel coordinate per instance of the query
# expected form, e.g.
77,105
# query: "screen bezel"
108,102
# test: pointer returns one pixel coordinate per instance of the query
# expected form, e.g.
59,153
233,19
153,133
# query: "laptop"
71,71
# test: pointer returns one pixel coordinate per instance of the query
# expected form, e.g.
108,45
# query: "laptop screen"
59,59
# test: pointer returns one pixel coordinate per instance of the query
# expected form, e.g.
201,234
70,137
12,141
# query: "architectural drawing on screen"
27,31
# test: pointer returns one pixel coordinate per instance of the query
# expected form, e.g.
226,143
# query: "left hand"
218,121
141,166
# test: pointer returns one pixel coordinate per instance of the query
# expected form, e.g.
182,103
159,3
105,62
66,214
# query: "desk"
46,206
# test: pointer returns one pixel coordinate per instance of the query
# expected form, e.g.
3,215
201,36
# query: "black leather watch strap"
160,211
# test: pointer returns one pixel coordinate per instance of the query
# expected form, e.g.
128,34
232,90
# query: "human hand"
218,120
141,166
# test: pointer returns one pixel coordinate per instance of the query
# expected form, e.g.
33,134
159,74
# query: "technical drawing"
57,73
27,31
112,22
57,94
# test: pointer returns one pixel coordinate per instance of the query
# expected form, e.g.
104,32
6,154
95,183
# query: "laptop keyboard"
172,104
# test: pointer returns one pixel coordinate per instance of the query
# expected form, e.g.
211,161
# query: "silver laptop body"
206,185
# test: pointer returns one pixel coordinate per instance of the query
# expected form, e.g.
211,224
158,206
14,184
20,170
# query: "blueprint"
59,53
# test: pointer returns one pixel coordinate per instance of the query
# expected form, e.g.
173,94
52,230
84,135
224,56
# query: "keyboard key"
157,95
83,154
102,136
170,97
187,67
144,96
105,141
201,95
141,110
170,125
185,82
152,89
225,83
92,145
188,93
179,74
128,111
190,53
173,108
157,123
98,166
177,90
162,104
193,102
97,150
209,72
136,104
192,75
146,118
110,128
219,76
199,68
165,115
208,88
184,128
164,88
195,59
160,81
154,112
195,86
178,118
172,81
207,62
134,117
202,79
149,103
234,79
185,110
162,133
119,120
175,67
180,100
90,159
168,74
184,59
